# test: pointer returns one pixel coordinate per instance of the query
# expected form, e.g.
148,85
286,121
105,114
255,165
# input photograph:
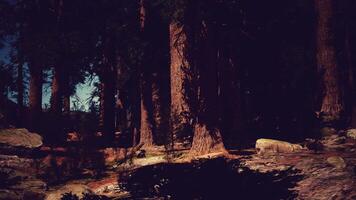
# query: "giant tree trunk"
332,104
230,101
146,132
154,78
180,108
159,51
35,97
351,72
207,137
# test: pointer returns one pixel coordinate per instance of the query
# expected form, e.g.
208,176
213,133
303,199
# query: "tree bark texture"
332,104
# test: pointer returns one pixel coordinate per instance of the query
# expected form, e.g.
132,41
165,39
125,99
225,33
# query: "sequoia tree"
207,136
180,107
154,76
146,125
332,103
35,96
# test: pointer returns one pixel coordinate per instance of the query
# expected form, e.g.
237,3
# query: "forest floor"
328,173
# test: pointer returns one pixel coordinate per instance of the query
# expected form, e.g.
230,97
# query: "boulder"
18,163
351,133
20,138
270,146
336,161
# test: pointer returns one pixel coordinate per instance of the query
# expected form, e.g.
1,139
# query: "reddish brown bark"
108,75
154,77
107,105
146,134
207,137
66,104
332,104
35,96
56,92
180,108
351,93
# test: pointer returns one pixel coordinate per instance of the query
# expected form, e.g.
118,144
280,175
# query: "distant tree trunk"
332,105
57,91
180,109
108,88
66,104
207,137
101,107
35,97
20,95
109,104
2,96
134,112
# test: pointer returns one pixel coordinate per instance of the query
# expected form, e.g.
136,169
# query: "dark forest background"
207,74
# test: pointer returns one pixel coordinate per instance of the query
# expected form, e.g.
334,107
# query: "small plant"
69,196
